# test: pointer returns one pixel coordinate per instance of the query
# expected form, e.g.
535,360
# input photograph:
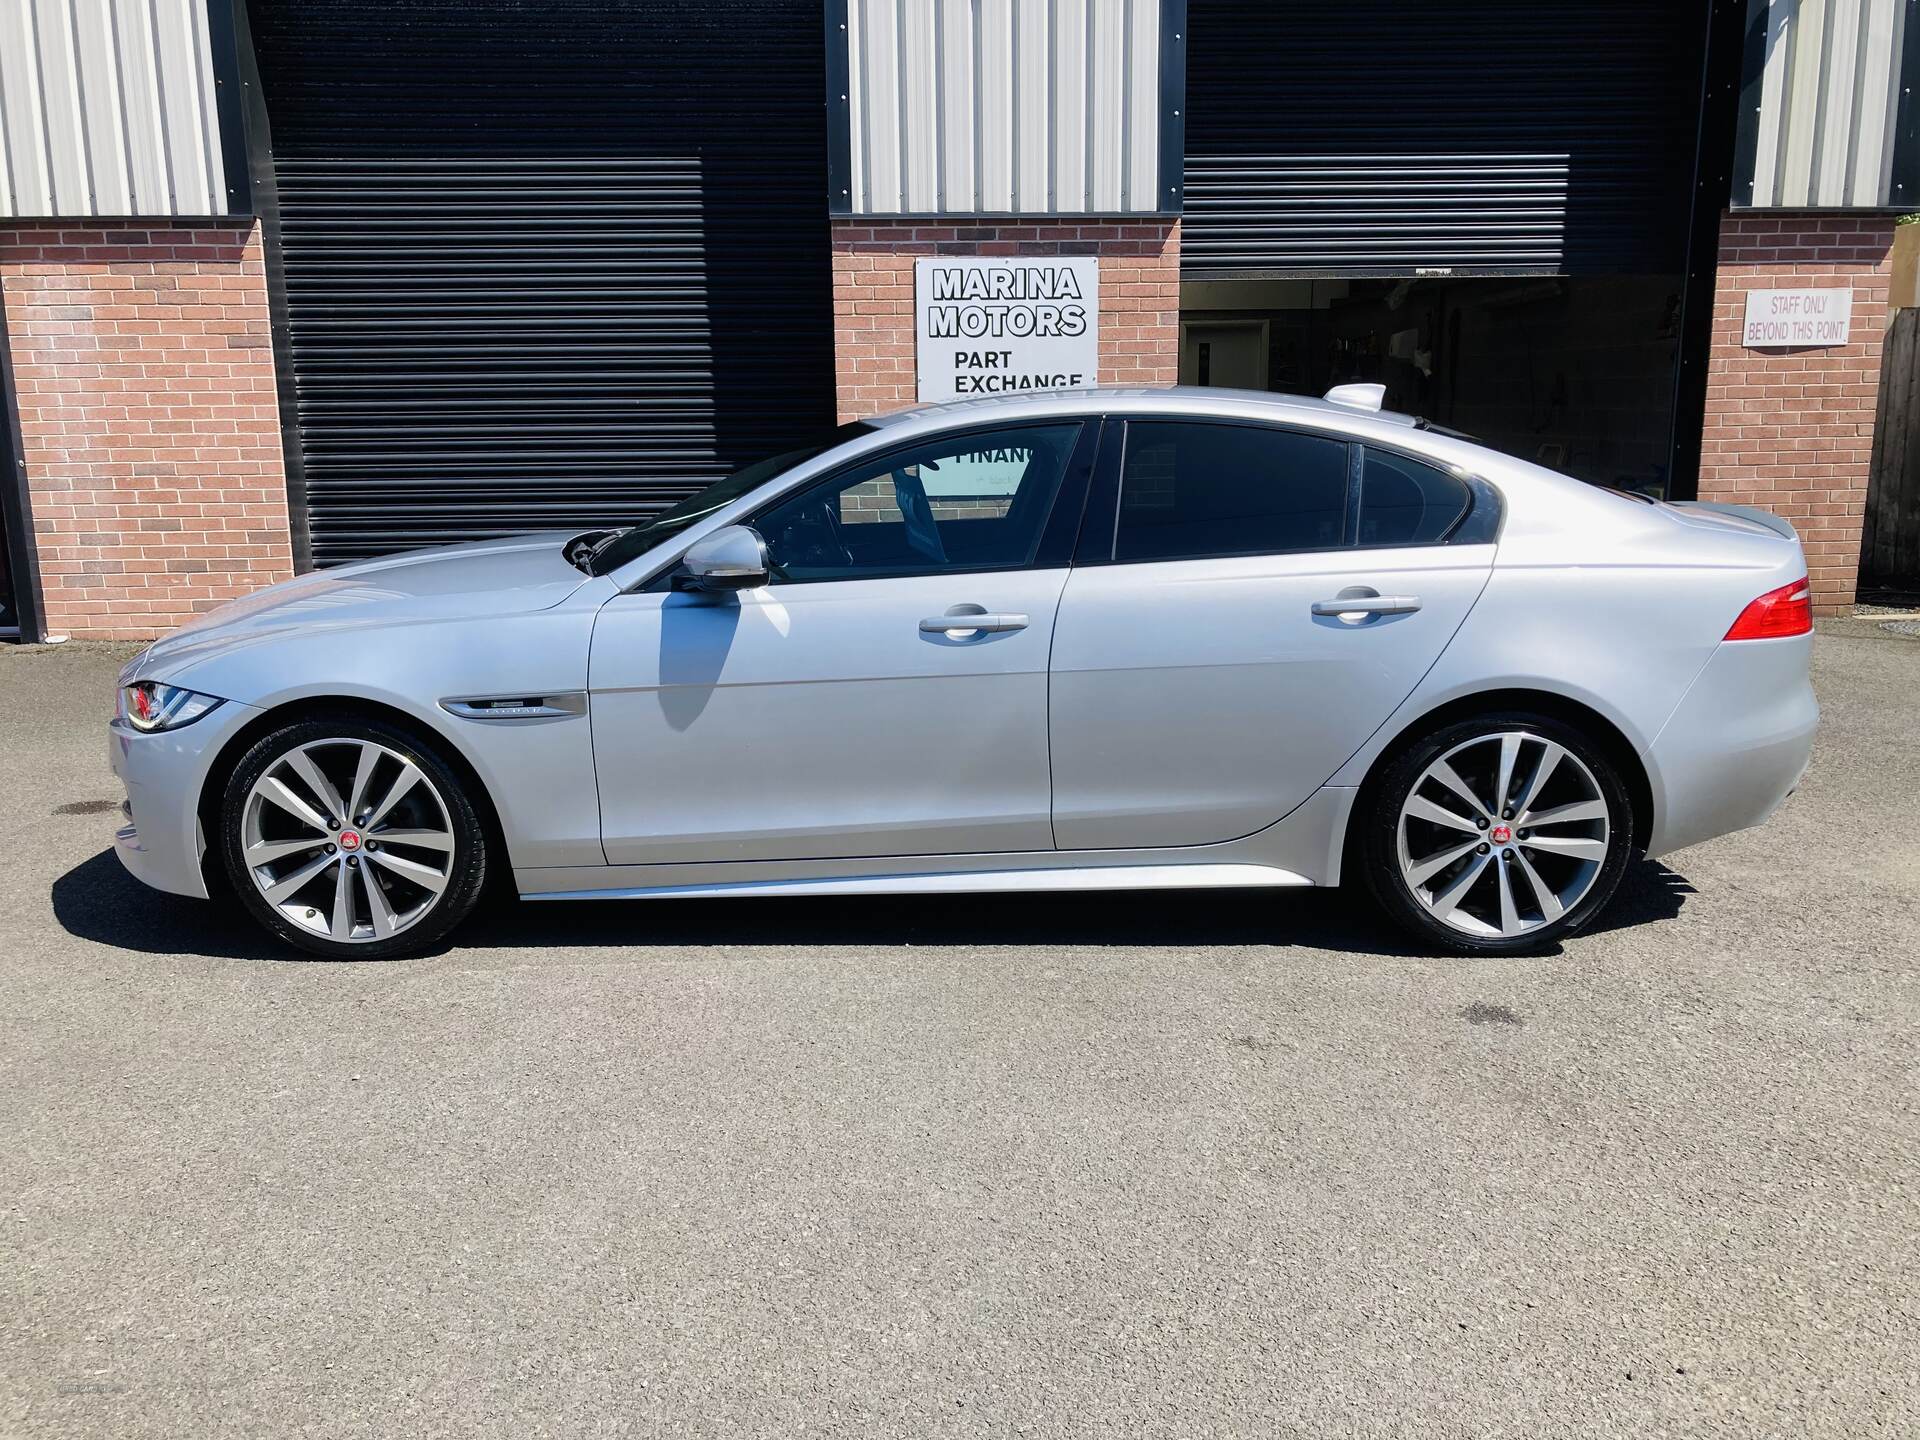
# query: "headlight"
149,706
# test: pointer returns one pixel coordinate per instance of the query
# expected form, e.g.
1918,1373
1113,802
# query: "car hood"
491,577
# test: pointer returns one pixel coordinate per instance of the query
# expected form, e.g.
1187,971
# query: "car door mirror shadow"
97,900
696,635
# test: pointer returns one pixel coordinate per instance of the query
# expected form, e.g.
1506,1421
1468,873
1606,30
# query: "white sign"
1001,327
979,474
1797,317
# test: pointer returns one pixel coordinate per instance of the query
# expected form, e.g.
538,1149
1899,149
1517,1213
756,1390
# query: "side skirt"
1091,877
1303,849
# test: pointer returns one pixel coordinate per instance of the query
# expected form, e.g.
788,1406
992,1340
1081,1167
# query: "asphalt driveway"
1180,1165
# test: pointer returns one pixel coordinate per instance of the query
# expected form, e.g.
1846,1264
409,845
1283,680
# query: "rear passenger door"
1206,678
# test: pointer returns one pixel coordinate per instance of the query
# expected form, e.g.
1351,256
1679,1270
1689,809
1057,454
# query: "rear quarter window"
1407,502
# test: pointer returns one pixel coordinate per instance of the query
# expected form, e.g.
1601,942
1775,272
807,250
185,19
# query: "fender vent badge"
518,707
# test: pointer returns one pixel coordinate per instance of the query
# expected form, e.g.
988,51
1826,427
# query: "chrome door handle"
1368,605
970,619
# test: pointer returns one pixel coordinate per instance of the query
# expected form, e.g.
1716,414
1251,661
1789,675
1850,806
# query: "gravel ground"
1134,1166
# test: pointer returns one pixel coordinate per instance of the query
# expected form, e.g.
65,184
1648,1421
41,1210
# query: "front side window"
1192,490
637,540
976,501
1404,502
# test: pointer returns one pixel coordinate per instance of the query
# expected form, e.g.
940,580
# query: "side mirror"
733,557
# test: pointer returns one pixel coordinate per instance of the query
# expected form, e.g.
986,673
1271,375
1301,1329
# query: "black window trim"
1357,501
1056,532
1099,537
1096,540
1485,510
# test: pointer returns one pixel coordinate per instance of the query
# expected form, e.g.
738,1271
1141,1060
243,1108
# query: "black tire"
466,865
1377,849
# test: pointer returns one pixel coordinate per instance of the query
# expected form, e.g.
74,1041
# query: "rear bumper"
160,843
1736,745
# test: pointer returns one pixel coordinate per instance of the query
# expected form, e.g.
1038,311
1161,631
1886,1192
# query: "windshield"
629,544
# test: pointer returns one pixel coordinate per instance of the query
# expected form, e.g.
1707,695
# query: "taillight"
1777,614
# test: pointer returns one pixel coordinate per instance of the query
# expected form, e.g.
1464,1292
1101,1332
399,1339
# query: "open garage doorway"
18,575
1574,372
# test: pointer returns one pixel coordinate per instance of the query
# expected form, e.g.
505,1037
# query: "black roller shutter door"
1386,137
548,263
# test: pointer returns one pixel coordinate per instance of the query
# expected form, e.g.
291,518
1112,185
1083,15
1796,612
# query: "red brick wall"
1792,429
152,443
873,297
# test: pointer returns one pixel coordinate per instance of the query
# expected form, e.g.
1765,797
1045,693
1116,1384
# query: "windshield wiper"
582,548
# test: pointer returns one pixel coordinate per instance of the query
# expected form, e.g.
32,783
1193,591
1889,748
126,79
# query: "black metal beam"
265,190
1903,183
839,112
230,104
1720,86
1170,198
1753,65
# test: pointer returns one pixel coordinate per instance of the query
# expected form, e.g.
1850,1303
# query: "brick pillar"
151,432
873,339
1791,430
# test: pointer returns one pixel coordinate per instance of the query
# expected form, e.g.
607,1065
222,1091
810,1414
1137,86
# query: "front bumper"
164,773
1736,745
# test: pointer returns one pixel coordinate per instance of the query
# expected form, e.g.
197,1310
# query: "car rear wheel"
1498,835
352,839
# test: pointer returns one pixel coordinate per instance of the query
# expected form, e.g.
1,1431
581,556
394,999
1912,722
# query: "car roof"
1199,400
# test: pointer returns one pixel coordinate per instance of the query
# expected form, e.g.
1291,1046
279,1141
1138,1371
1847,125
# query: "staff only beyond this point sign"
1797,317
1005,327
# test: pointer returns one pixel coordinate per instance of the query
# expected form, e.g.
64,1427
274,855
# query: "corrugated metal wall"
1822,104
107,108
959,107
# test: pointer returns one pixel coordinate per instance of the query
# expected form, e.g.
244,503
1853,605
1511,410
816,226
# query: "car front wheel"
1498,835
352,839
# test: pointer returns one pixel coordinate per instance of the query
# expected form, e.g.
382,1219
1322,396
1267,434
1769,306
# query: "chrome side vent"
561,706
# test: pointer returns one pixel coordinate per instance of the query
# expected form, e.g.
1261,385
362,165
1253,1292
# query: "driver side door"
884,694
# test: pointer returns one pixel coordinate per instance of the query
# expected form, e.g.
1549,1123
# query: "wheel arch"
1579,715
314,707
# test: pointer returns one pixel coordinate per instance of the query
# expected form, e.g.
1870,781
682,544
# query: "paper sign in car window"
994,473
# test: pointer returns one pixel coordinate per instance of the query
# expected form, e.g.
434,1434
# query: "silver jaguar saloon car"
1105,640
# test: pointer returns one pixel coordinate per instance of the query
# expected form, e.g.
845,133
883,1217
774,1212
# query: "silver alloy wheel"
349,839
1503,834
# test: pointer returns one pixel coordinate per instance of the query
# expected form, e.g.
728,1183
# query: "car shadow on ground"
97,900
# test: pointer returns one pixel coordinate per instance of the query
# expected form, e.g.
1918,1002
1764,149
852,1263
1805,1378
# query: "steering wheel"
811,540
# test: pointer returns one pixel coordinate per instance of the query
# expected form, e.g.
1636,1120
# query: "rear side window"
1189,491
1403,502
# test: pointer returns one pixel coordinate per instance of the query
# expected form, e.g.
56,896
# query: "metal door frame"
16,505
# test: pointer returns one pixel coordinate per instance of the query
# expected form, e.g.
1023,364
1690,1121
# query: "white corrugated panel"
989,69
107,108
920,127
1142,160
959,164
1000,107
1824,103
